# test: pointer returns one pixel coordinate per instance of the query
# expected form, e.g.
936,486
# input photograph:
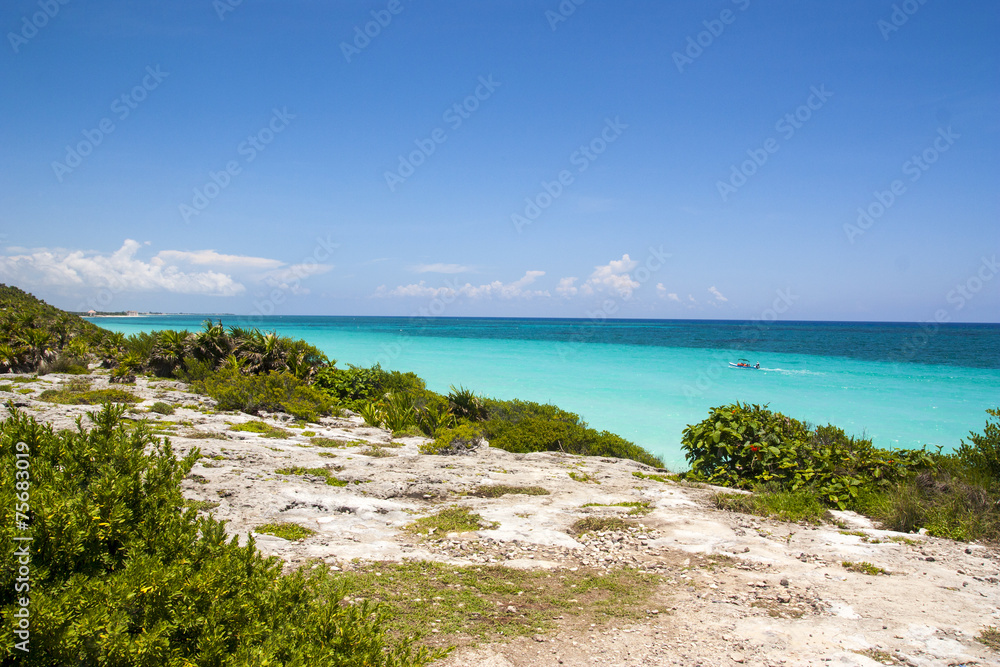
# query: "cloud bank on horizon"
674,160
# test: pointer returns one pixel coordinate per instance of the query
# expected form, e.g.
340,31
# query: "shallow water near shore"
902,385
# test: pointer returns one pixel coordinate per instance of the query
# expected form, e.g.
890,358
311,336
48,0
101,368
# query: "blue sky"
627,159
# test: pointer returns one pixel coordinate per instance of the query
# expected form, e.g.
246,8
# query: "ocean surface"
903,385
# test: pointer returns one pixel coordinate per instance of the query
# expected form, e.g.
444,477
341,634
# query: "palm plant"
211,343
11,357
38,342
169,351
466,403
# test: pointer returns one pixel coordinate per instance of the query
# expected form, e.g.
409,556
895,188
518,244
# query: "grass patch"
451,520
195,434
878,656
162,408
330,442
442,605
863,567
285,530
200,505
989,636
318,472
497,490
583,477
87,397
376,451
263,428
598,524
794,506
665,479
636,508
7,387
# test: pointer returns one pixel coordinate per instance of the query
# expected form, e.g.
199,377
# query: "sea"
902,385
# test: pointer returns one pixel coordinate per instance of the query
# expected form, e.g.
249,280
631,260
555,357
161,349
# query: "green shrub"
794,506
598,524
162,408
88,397
451,519
351,387
497,490
748,445
265,429
122,575
459,440
524,426
286,531
275,392
981,455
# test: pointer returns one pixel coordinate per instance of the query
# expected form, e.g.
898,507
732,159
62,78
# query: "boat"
743,363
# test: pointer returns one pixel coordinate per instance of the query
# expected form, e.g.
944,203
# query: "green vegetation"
162,408
78,392
583,477
200,505
881,657
330,442
990,636
286,531
665,479
265,429
794,506
275,391
459,440
523,426
636,508
317,472
450,520
950,495
863,567
748,445
37,337
122,574
444,605
497,490
599,524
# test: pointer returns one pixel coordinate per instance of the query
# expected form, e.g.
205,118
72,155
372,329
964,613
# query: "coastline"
719,596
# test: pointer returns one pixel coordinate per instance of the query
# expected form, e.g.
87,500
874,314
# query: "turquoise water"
902,385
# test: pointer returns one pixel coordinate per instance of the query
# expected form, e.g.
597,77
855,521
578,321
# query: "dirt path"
736,589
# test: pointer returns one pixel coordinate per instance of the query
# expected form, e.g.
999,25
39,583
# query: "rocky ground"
734,589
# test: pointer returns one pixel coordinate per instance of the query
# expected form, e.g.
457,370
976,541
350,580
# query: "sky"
721,159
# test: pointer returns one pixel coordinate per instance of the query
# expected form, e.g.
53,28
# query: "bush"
121,574
462,439
748,445
352,387
274,392
981,455
162,408
523,426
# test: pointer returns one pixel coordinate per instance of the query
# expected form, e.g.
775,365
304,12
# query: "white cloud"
495,289
717,294
441,268
290,277
213,258
204,272
567,287
661,291
119,271
612,277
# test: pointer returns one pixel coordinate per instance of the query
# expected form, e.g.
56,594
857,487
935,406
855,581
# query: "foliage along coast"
117,527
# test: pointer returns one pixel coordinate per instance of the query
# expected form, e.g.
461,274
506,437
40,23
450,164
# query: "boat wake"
788,371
